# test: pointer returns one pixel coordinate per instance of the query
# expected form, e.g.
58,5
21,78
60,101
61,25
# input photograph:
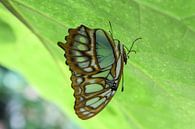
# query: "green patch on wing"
102,74
93,88
104,50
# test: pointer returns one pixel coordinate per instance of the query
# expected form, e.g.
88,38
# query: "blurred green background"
159,78
22,108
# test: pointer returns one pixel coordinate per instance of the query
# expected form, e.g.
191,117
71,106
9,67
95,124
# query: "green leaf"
159,79
5,31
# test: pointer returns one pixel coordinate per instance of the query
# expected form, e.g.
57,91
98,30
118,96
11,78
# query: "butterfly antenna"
111,31
130,50
122,89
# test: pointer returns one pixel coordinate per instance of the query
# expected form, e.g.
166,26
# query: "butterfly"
96,61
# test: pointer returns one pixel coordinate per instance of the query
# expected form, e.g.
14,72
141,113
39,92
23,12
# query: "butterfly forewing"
96,65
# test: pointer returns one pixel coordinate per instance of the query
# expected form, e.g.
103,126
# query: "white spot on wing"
81,98
76,53
79,80
81,59
106,93
90,115
85,113
82,109
82,31
84,64
92,100
112,93
98,103
89,69
80,46
81,39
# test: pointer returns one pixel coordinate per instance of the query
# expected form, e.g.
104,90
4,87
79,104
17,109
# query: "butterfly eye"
114,87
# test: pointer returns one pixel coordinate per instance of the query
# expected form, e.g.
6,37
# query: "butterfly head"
122,49
129,50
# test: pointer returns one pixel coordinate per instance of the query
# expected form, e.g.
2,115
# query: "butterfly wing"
96,65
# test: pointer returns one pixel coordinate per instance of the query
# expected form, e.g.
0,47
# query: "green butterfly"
96,61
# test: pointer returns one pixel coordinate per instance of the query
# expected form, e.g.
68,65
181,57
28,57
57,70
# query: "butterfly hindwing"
96,64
